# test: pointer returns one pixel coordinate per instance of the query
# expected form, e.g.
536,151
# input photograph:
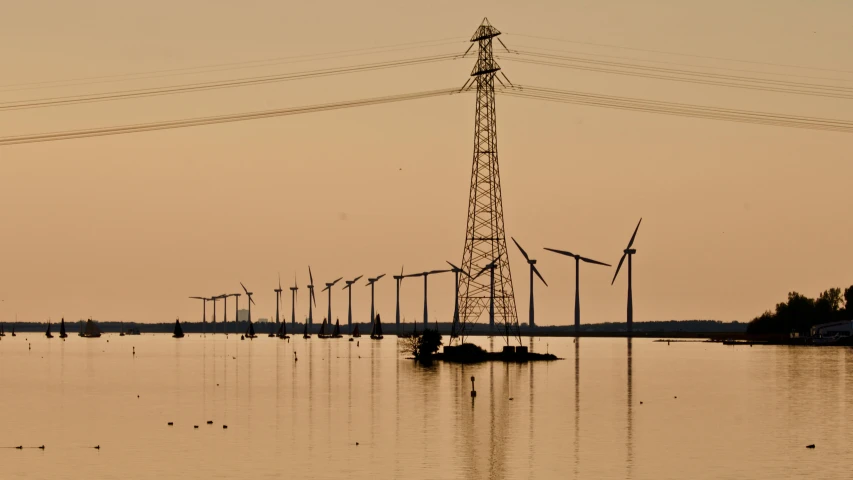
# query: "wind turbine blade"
357,278
635,233
452,265
380,276
401,270
310,275
327,287
338,280
279,280
313,298
618,267
252,300
589,260
439,271
561,252
522,250
244,288
483,270
536,271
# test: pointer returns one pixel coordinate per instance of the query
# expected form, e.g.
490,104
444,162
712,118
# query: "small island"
424,348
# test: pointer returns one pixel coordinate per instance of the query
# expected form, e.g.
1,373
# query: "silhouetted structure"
578,259
533,269
371,282
485,240
628,252
348,287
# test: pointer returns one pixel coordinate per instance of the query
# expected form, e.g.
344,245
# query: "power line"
211,120
708,57
679,109
219,67
200,86
687,76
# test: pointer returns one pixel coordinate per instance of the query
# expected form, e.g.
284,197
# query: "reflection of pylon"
485,240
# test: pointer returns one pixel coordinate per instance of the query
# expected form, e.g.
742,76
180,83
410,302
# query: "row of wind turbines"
628,253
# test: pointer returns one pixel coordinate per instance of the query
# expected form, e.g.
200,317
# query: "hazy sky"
127,227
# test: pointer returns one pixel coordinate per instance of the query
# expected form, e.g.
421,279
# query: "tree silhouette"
800,313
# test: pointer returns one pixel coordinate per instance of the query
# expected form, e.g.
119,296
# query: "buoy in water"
97,447
225,426
171,423
41,447
210,422
195,426
473,390
807,446
20,447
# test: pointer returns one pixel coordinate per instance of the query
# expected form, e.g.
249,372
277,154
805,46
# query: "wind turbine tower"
533,269
348,286
629,252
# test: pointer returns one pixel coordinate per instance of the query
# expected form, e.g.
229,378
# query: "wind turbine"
454,329
236,310
203,308
214,299
371,282
491,267
533,269
628,252
426,276
277,298
311,298
329,286
248,294
293,290
578,260
224,298
399,278
348,286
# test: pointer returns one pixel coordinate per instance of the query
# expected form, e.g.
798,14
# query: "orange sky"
126,227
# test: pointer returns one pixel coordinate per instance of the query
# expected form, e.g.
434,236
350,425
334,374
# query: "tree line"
800,313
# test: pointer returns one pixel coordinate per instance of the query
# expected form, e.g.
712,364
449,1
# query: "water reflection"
577,404
630,441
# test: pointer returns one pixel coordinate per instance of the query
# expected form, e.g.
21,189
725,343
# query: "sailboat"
282,331
323,333
47,333
179,332
355,332
13,331
250,332
62,333
305,334
91,330
336,333
376,332
272,330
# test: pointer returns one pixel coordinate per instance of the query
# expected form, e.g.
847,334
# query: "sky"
127,227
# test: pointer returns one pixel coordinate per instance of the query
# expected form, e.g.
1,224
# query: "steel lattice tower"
485,240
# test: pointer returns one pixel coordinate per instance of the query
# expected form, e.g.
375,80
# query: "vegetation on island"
423,346
800,313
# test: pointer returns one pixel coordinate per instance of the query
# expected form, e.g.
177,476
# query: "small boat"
250,332
91,330
132,331
355,332
376,332
179,332
13,331
336,333
47,333
121,332
272,331
62,333
2,333
323,333
282,331
306,334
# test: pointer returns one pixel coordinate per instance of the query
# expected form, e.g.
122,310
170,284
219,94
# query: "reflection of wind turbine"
329,286
578,260
533,269
491,267
399,278
311,298
629,252
371,282
348,286
454,328
426,276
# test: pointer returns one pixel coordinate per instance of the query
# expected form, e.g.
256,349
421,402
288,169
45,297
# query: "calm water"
741,412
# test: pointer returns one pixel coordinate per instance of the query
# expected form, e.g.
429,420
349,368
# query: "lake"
612,408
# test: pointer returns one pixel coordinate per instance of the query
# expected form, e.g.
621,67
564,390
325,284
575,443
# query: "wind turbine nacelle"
630,251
